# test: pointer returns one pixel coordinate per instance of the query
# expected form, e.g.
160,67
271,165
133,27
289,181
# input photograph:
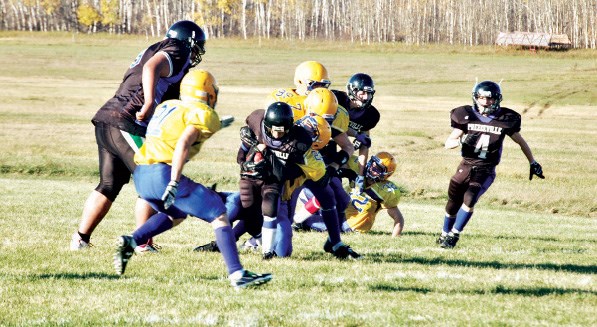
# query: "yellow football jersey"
313,169
295,100
166,126
361,212
341,120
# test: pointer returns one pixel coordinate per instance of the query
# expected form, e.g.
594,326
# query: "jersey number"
153,129
359,202
482,146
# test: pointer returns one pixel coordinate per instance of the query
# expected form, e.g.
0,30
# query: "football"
258,157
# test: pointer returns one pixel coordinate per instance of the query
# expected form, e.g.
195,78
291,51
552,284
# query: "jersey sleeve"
177,53
340,123
459,118
206,120
514,121
390,194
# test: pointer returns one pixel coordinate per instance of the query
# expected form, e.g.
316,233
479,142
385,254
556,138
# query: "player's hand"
170,194
470,139
247,136
347,173
362,140
359,183
226,121
536,169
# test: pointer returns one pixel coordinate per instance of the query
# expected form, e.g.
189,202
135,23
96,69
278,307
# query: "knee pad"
110,191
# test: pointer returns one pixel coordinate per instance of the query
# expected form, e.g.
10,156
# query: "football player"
316,177
271,145
120,124
480,129
363,117
175,134
308,76
379,193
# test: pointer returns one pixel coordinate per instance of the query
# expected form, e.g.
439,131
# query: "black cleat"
441,239
125,248
269,255
450,241
342,252
209,247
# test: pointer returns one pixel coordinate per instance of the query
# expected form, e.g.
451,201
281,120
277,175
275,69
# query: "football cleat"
250,279
450,241
209,247
299,227
77,243
252,244
441,239
342,252
147,248
269,255
125,248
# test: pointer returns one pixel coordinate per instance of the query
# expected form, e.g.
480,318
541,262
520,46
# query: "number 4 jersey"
489,133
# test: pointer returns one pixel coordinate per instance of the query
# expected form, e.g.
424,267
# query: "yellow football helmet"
310,75
322,102
199,86
318,128
380,167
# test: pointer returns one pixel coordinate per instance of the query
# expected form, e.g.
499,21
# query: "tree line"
468,22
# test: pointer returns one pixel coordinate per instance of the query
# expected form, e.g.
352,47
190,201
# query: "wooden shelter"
534,40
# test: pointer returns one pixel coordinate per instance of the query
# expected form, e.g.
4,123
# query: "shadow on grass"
499,289
88,275
399,258
433,236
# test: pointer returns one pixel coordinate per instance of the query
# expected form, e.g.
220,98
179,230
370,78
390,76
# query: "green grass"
526,258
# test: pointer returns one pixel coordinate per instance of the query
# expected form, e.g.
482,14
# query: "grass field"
528,257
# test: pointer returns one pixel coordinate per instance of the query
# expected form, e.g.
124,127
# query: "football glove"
226,121
170,194
536,169
358,185
347,173
470,139
247,136
362,140
255,166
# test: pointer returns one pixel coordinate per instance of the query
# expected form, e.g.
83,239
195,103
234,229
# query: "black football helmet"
487,89
193,37
360,82
278,117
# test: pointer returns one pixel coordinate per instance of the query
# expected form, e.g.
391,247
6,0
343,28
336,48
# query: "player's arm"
398,221
179,158
536,168
453,139
181,151
156,67
345,145
516,137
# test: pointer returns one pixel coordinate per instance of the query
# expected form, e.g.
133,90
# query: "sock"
330,218
462,218
239,229
227,245
448,223
156,224
268,234
84,237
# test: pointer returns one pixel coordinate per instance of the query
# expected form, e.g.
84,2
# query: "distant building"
534,40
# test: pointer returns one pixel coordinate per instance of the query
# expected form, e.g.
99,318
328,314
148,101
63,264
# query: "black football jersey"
128,99
489,132
287,152
361,120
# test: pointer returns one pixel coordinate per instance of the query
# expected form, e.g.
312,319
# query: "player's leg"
456,189
269,207
114,173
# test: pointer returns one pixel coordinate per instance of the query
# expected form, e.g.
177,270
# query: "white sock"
268,235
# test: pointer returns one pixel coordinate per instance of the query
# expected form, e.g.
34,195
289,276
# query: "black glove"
255,166
536,169
362,140
347,173
470,139
247,136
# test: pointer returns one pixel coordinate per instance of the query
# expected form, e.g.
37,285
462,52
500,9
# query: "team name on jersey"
485,128
356,126
280,154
